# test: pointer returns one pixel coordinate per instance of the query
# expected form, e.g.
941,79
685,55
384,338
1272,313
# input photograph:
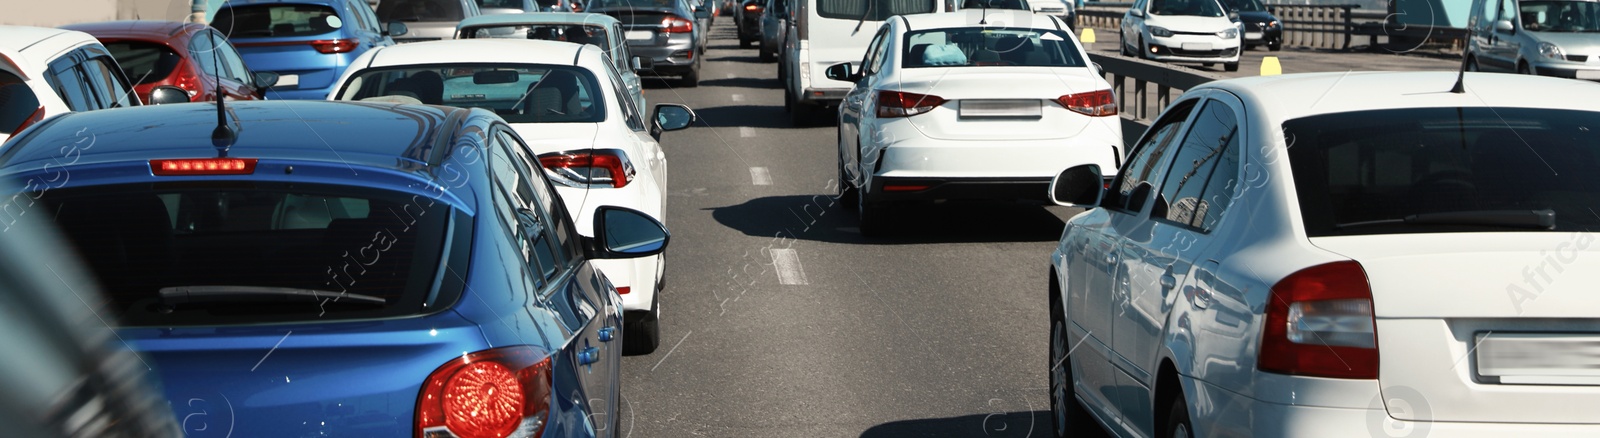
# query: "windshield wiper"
173,296
1541,219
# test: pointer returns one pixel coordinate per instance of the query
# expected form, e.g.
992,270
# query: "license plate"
288,81
1539,358
1000,108
639,35
1252,35
1588,74
1199,47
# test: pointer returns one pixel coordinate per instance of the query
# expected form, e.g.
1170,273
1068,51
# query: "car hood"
1189,23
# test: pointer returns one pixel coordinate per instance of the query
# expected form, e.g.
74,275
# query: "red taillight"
1319,323
753,7
903,104
596,167
35,117
624,290
905,187
1097,103
334,46
203,166
490,393
676,25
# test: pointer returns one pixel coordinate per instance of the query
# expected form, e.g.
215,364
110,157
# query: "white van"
827,32
1545,37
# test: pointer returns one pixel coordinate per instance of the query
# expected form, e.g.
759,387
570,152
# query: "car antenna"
222,137
1461,73
863,19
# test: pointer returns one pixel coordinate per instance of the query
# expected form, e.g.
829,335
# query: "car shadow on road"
751,59
754,116
821,218
1034,424
756,83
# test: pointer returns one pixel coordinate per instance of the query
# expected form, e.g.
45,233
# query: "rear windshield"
224,253
574,33
1407,170
1200,8
419,10
17,102
276,21
144,62
873,10
996,4
1248,5
983,46
519,93
1560,16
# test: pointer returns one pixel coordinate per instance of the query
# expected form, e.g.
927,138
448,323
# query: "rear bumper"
826,97
676,58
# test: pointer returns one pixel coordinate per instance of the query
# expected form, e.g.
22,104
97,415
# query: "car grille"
1578,58
1178,51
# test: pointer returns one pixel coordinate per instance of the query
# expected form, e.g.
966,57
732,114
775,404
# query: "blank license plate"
1000,108
288,81
1588,74
1539,358
638,35
1252,35
1197,46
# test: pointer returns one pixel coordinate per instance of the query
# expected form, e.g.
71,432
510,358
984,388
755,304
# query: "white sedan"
1337,255
1200,31
571,106
950,106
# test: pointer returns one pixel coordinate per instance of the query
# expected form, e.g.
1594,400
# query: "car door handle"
1168,282
589,356
607,334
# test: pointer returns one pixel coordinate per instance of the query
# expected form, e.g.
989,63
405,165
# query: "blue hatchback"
308,43
339,268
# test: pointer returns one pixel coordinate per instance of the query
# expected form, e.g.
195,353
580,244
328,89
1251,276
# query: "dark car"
427,20
747,17
670,33
172,62
774,19
1261,27
494,7
341,268
308,43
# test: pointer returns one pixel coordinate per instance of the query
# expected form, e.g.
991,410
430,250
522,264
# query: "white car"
598,29
825,32
1338,255
944,108
34,61
1199,31
569,103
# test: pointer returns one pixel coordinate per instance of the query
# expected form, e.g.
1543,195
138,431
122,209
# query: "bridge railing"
1143,88
1309,26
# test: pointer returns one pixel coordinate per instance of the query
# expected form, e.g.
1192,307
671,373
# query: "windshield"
1560,16
519,93
419,10
581,34
263,247
1246,5
981,46
1200,8
276,20
1421,170
144,62
880,9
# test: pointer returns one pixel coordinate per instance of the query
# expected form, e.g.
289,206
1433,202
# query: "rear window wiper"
178,295
1541,219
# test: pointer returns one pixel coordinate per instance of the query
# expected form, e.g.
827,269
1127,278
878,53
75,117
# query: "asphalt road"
779,320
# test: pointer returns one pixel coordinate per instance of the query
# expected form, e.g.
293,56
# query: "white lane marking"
669,352
787,263
737,97
760,176
747,132
730,76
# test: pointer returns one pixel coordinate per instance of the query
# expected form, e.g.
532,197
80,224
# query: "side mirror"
1137,12
841,72
640,63
263,80
671,117
394,29
169,94
1078,186
1504,26
622,233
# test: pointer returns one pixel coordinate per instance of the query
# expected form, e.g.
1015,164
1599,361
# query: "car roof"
970,18
374,135
481,50
538,18
1285,97
137,29
32,47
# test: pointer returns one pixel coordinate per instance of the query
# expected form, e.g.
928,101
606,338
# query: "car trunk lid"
1001,103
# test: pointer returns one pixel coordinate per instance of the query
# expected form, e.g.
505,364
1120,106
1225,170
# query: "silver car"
427,20
1546,37
582,28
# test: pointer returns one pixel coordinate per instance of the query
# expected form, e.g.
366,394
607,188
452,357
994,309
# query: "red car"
171,61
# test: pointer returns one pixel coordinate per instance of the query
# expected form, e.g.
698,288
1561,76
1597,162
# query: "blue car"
340,268
308,43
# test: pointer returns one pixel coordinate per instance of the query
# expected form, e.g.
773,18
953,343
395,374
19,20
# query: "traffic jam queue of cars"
1218,281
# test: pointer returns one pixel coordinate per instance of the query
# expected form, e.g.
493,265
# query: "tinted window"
378,249
580,34
17,102
1246,5
515,177
106,85
982,46
419,10
524,93
630,112
1201,8
230,59
203,51
1212,138
144,62
70,84
276,20
873,10
1370,172
1147,156
1560,16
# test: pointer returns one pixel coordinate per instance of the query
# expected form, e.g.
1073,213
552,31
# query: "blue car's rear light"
203,166
501,392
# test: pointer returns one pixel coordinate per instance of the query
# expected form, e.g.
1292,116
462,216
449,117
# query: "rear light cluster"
1319,322
902,104
492,393
334,46
1096,103
203,166
675,24
589,168
753,7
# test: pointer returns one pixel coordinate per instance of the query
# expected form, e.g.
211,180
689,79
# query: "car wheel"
1122,48
1178,425
847,191
692,78
642,330
871,214
1069,416
1144,52
767,56
1524,69
1275,45
1232,66
1248,47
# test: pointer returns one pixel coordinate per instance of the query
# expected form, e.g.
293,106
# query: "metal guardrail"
1166,80
1311,26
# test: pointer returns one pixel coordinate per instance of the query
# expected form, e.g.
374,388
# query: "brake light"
491,393
753,7
903,104
1098,103
596,167
905,187
35,117
623,290
676,25
1320,323
203,166
334,46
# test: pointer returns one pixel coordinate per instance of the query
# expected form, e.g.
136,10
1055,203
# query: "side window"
630,112
880,52
70,84
868,62
1213,134
106,85
1508,10
519,180
230,59
560,219
200,52
1147,156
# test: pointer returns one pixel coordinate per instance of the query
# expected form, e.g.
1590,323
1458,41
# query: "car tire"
1523,68
1231,66
873,217
1249,47
1144,52
1122,48
642,330
847,191
1178,425
1067,415
692,78
1275,45
767,56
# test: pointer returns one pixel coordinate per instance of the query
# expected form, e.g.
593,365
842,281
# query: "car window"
1560,16
144,62
1198,8
420,10
230,59
875,52
996,4
18,103
990,46
71,84
1212,142
631,113
519,93
514,172
1147,157
361,21
879,10
276,20
565,244
106,83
